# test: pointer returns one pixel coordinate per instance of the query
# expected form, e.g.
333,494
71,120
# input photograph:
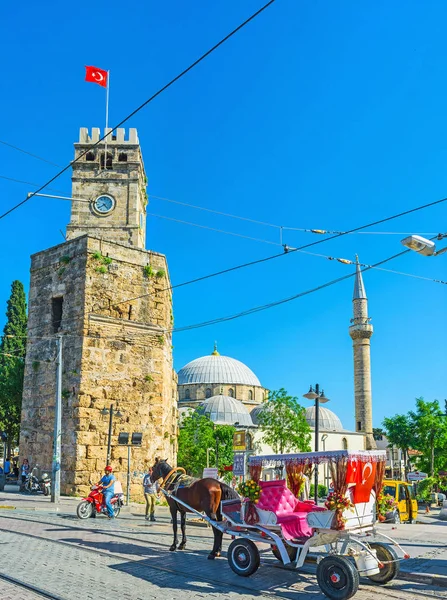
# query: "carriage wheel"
390,570
291,551
243,557
337,577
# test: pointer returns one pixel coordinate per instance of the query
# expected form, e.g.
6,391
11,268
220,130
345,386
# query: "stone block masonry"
114,352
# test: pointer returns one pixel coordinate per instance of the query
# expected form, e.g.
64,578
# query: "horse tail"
227,492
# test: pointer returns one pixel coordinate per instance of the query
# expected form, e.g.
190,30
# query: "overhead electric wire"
26,183
283,300
289,251
255,309
145,103
284,227
29,153
342,260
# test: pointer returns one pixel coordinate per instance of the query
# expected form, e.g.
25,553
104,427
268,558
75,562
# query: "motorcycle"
31,485
45,484
34,484
94,504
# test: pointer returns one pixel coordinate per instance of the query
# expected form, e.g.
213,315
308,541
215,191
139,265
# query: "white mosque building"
230,393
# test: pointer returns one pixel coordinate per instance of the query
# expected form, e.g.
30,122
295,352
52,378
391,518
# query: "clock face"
104,204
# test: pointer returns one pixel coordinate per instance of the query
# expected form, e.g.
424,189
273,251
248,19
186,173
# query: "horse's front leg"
183,528
173,510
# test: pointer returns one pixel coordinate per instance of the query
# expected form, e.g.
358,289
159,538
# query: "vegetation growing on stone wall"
65,259
12,363
61,272
160,273
148,378
36,365
65,394
104,260
161,339
148,271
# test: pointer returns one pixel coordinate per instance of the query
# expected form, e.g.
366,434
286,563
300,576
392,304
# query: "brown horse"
203,495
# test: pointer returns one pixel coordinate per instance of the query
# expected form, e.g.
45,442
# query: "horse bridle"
172,473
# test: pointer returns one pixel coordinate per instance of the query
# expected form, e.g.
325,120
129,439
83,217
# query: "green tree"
283,423
430,431
12,362
378,433
399,431
197,434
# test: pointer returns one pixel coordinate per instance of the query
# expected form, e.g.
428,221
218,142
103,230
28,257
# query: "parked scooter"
45,484
94,504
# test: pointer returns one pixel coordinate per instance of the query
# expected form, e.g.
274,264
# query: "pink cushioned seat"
291,513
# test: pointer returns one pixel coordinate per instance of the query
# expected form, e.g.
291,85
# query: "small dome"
328,421
254,414
217,369
224,410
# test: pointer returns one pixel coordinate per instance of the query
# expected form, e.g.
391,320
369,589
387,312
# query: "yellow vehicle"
403,494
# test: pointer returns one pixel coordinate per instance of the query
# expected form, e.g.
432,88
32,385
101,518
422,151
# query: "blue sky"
316,115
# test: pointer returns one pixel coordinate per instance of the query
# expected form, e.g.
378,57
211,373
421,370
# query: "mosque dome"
224,410
217,369
254,414
328,421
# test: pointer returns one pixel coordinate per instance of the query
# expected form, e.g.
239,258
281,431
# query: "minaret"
361,331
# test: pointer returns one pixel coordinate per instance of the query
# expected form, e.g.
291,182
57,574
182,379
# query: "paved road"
74,559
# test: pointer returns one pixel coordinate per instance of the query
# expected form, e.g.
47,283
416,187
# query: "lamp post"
318,397
423,245
324,437
111,412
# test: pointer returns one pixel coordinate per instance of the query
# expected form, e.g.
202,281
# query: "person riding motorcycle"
108,482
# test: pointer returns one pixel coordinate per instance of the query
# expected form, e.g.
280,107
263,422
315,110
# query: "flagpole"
107,120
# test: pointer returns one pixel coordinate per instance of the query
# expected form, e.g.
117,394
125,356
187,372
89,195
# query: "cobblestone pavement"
74,559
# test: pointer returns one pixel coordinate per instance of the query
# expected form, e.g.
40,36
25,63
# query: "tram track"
383,592
38,592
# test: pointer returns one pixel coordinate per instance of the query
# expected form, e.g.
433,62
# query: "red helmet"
108,468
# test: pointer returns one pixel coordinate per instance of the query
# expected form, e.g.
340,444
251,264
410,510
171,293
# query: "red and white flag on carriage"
363,475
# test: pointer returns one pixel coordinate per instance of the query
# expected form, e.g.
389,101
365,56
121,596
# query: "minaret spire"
361,331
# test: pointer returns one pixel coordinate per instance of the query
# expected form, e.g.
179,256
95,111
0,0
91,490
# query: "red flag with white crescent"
95,75
365,481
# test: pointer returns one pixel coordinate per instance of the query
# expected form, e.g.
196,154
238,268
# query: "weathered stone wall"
113,353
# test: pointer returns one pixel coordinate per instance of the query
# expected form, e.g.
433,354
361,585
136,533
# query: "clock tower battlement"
109,192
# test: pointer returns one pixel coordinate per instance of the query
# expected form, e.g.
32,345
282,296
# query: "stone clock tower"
112,199
109,300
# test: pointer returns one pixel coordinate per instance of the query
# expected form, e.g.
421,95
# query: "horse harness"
174,480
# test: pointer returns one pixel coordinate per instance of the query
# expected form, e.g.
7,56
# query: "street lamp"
424,246
318,397
110,411
324,437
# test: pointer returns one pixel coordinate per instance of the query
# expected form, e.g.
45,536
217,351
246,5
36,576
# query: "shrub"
160,273
148,271
322,490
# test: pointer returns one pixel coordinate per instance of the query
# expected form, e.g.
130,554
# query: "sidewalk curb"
426,578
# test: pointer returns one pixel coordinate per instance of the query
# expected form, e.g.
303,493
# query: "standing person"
150,494
7,466
108,489
24,470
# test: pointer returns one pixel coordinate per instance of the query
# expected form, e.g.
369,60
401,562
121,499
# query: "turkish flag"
96,75
354,466
365,480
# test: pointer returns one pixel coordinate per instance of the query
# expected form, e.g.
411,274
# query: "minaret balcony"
363,330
